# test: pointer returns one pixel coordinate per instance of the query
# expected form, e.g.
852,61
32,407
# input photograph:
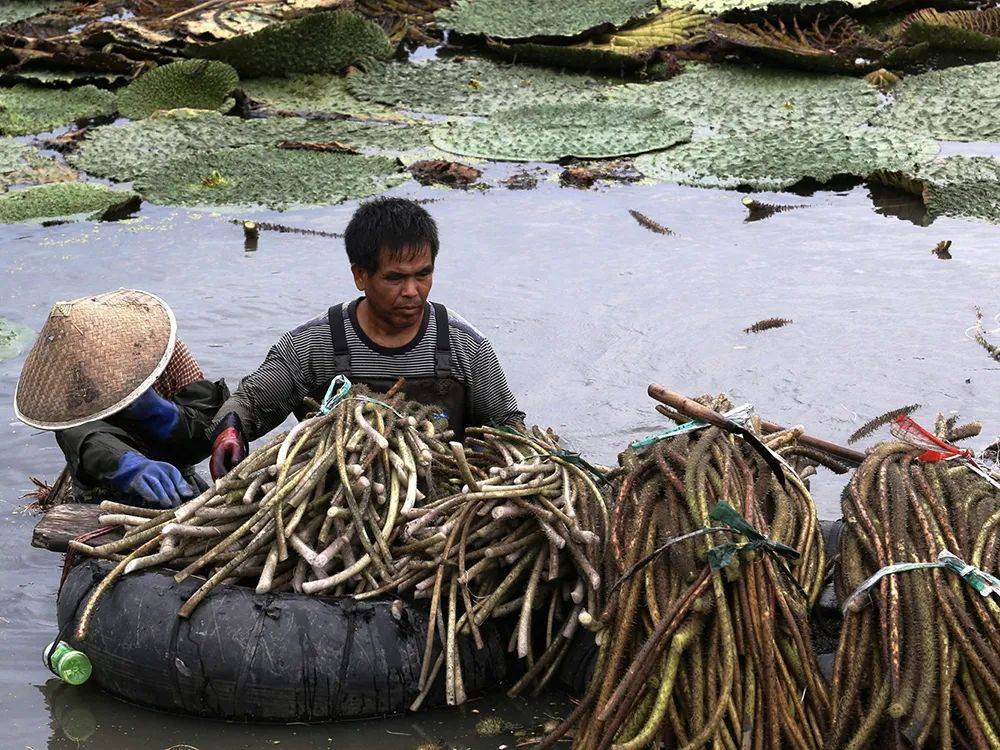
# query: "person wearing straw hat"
128,403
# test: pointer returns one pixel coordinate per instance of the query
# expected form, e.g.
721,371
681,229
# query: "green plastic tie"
337,391
722,555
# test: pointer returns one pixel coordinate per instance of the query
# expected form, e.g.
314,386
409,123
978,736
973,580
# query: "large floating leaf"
20,164
549,132
314,94
467,87
727,98
776,159
522,19
669,28
12,11
198,84
721,7
29,109
959,29
966,186
319,43
127,151
266,176
14,339
958,103
58,200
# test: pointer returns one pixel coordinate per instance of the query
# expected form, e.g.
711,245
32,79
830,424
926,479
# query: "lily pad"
964,186
58,200
315,94
727,98
467,87
196,84
128,151
959,29
522,19
549,132
271,177
958,103
669,28
317,43
12,11
777,159
28,109
14,339
20,164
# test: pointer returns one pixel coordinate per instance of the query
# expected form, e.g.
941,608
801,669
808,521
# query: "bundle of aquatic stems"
523,538
919,658
705,639
316,510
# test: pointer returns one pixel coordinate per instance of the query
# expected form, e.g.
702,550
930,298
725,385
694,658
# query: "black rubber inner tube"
273,657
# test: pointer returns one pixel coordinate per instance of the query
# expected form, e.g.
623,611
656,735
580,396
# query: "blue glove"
158,484
153,414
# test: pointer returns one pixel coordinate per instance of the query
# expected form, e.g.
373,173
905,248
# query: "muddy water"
585,307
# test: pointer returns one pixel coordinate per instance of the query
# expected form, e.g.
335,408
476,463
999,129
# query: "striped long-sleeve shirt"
303,361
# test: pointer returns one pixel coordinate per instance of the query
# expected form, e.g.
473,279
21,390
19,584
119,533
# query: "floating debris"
549,132
28,109
521,180
766,325
778,159
406,21
723,7
919,653
267,226
881,421
524,19
324,42
493,726
441,172
882,79
958,29
648,223
64,199
942,250
980,337
194,84
578,177
757,210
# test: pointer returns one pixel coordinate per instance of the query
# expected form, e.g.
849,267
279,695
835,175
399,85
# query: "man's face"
397,291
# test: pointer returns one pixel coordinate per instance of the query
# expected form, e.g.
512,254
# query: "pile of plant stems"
374,499
694,655
918,663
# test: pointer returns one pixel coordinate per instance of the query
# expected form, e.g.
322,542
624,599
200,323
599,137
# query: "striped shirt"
302,362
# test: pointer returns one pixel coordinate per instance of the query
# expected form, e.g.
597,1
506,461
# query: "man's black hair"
395,224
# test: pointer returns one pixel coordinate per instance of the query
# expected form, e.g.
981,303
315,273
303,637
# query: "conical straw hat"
93,357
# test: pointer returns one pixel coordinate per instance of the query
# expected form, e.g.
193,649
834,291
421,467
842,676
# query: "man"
127,401
389,333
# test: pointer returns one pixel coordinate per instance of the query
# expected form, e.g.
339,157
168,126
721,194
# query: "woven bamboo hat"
94,356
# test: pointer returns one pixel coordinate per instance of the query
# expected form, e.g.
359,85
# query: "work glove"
229,447
153,415
156,483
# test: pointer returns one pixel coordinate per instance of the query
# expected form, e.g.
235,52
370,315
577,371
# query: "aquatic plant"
59,199
12,11
959,29
671,28
325,42
14,339
881,421
128,151
966,186
772,160
980,338
549,132
766,325
195,84
757,210
724,7
957,104
583,58
26,109
21,164
645,221
267,176
315,94
523,19
467,86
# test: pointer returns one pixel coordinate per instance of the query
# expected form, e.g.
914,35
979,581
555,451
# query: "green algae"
324,42
959,103
523,19
59,200
195,84
468,86
14,339
266,176
26,109
549,132
126,152
315,94
21,164
778,159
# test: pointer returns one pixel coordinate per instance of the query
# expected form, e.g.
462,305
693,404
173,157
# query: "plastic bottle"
71,665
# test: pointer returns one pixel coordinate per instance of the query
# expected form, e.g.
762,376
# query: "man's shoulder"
457,325
319,323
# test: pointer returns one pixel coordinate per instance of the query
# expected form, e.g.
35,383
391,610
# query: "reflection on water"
585,307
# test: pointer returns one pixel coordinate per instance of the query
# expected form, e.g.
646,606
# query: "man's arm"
492,401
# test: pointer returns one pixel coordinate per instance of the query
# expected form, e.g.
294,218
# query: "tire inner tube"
271,657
